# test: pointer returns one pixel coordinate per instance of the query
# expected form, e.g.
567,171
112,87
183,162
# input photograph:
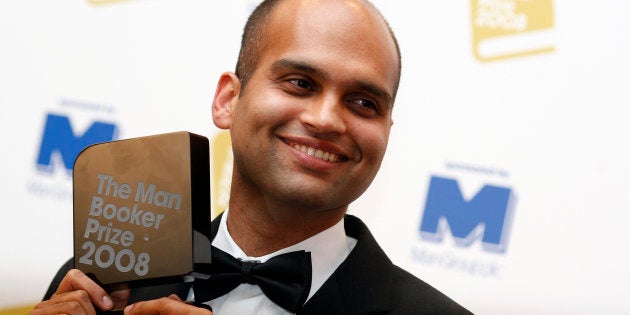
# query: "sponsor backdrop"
505,184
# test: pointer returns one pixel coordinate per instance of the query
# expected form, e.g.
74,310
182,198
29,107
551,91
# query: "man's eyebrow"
291,64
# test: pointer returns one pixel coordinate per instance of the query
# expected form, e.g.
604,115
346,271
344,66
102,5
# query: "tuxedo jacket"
367,282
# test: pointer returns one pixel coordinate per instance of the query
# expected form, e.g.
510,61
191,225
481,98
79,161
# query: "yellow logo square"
504,29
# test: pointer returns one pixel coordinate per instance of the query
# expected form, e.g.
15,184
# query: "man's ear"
225,99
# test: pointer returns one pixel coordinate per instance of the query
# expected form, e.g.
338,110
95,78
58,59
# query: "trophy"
141,206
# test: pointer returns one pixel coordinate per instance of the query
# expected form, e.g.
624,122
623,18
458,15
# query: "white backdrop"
527,96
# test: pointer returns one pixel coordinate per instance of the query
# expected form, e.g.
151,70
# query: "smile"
322,155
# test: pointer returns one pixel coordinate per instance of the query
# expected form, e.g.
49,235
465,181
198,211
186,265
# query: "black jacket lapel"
361,284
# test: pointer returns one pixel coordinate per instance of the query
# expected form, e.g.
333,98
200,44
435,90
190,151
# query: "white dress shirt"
328,248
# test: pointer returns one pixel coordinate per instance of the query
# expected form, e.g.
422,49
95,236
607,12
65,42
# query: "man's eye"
364,107
366,103
303,84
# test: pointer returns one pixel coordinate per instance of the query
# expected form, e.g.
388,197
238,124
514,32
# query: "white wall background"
553,127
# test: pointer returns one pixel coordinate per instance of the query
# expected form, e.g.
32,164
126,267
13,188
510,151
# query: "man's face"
312,124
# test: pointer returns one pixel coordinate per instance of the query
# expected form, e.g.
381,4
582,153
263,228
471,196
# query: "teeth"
326,156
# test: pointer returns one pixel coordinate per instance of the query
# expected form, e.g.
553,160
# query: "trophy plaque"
140,207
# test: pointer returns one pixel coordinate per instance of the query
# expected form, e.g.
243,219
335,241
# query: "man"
309,110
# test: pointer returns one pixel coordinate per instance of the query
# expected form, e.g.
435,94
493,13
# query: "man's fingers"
61,308
164,306
76,280
75,302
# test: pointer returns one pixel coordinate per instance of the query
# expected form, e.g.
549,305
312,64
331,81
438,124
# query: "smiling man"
309,110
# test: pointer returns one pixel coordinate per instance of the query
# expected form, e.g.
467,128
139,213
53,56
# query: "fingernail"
107,302
128,308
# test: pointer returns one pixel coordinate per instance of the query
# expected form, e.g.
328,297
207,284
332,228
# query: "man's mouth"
317,153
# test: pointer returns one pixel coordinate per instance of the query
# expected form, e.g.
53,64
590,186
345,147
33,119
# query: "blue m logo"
487,215
59,137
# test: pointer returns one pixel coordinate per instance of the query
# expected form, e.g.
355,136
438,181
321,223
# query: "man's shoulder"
369,266
409,295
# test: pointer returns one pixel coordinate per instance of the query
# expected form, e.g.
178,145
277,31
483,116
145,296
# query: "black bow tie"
285,279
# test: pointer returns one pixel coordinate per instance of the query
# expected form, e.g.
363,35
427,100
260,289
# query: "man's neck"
262,230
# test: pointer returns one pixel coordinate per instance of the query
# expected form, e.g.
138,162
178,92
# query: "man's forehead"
348,9
332,17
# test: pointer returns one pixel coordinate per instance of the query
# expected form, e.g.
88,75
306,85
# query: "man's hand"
169,305
77,294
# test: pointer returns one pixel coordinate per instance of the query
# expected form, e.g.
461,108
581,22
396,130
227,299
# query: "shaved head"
253,39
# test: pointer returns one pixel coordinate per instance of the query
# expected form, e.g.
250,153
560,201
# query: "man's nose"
324,116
